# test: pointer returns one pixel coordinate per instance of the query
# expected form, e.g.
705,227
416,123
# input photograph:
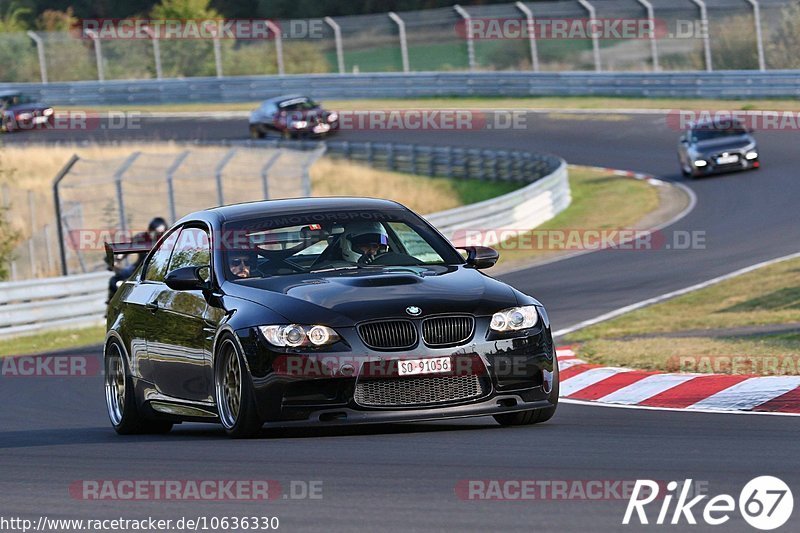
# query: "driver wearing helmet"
363,242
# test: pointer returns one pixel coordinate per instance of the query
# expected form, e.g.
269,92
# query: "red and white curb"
586,382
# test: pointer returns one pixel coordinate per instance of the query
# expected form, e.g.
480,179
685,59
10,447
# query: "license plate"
435,365
321,128
727,159
39,120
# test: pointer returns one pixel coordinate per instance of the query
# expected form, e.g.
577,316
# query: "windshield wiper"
333,269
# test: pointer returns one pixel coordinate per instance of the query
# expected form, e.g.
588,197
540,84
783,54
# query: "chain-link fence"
561,35
113,199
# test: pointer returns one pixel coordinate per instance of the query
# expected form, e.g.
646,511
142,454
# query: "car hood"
729,143
343,298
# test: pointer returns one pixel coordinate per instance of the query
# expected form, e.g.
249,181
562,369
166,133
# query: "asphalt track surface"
54,431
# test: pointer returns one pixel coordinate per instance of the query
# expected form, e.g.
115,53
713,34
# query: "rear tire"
256,132
234,392
534,416
121,398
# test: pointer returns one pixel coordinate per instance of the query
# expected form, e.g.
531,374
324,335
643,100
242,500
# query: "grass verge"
543,102
721,324
40,343
600,201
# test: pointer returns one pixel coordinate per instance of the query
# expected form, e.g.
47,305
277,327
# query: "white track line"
673,294
588,378
675,409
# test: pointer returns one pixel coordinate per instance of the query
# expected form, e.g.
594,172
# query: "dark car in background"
21,112
292,116
711,147
321,311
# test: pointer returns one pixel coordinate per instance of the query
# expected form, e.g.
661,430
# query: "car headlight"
700,163
751,155
333,117
514,318
299,124
295,335
24,116
47,112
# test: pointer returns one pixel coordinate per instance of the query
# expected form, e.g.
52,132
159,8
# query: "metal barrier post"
706,37
265,173
32,229
59,226
218,174
531,34
217,55
337,35
40,51
762,65
98,54
276,31
156,50
401,28
123,218
173,168
595,41
468,26
653,45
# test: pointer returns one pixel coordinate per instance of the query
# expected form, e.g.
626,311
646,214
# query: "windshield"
298,104
709,132
327,241
15,99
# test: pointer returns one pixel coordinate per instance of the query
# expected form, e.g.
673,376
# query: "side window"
414,244
192,249
157,265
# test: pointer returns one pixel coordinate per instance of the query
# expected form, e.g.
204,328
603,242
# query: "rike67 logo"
765,503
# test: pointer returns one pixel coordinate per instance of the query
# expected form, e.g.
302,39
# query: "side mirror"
188,279
481,256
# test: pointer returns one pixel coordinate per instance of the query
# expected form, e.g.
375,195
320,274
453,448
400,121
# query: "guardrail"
720,84
55,303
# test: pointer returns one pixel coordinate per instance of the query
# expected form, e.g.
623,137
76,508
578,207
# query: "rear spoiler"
124,248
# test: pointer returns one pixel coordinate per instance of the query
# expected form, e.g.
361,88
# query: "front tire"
121,398
256,132
534,416
234,392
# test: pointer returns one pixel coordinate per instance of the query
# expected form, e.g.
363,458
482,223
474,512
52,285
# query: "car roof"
267,208
285,97
721,123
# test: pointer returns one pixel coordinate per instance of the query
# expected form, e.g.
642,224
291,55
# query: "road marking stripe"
646,388
587,378
749,393
693,391
573,370
564,365
786,403
610,384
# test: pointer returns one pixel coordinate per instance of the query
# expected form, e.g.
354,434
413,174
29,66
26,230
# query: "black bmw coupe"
323,311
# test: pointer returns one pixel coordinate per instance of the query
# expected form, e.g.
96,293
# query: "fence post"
653,44
62,252
173,168
40,52
337,35
706,30
531,34
305,169
468,32
265,172
98,54
156,50
762,65
218,174
123,218
48,247
217,55
32,229
595,40
276,31
401,28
